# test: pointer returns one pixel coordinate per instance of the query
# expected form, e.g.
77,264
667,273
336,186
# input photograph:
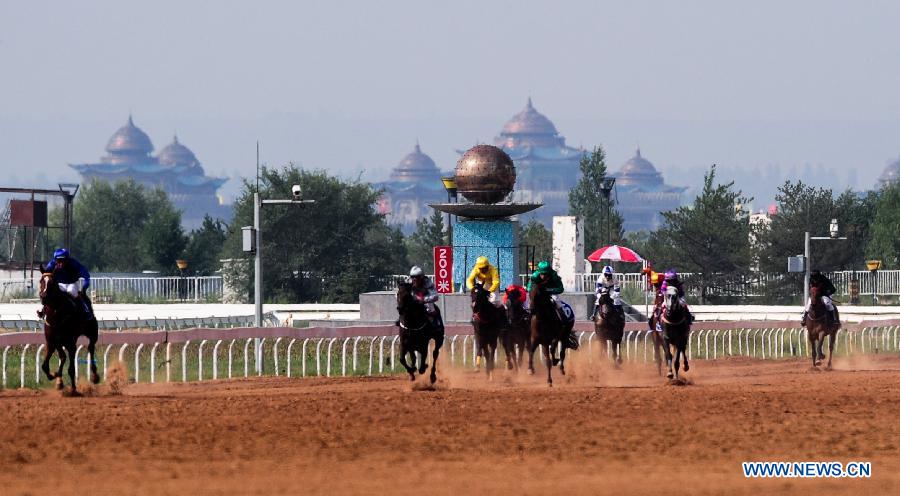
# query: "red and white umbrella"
615,253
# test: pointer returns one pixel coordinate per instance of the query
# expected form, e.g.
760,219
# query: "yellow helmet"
481,262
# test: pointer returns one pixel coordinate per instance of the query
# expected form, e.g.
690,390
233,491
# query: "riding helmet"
60,253
416,271
481,262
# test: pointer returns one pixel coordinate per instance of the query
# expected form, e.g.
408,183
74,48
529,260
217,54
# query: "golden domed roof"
638,171
129,140
529,121
416,166
177,154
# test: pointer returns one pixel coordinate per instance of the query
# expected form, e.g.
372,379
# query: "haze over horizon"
766,91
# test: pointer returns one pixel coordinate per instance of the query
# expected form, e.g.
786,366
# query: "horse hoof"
828,367
59,383
509,366
686,367
433,378
619,361
412,377
95,379
670,375
530,371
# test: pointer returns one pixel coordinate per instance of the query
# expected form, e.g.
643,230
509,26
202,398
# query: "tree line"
342,246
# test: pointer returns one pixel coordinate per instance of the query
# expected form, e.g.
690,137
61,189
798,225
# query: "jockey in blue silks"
73,278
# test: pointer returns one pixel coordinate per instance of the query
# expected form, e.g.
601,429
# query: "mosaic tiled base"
495,239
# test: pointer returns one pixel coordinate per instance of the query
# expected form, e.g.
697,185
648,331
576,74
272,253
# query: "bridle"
672,303
409,296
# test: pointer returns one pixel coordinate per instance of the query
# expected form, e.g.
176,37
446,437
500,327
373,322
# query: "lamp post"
182,264
873,266
450,185
606,188
832,234
253,242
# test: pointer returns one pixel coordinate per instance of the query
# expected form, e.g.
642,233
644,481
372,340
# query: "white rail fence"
212,355
208,289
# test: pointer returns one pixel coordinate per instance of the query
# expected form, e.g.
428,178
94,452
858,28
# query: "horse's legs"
684,355
70,350
677,364
45,365
95,378
549,361
562,359
812,348
438,342
667,348
821,345
61,353
403,351
831,339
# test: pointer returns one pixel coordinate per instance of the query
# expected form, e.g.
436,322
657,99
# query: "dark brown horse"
676,324
488,320
819,325
655,328
64,322
547,330
609,326
416,330
517,335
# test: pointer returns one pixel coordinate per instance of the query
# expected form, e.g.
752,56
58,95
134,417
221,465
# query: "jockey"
515,292
73,278
546,276
423,290
610,283
486,274
826,289
671,279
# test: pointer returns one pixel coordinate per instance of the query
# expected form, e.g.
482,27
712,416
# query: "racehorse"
676,324
517,333
488,320
609,326
655,325
64,322
416,330
819,325
547,330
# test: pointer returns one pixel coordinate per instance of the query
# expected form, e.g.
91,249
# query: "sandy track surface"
597,431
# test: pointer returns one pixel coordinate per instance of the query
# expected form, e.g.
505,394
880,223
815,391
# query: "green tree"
539,239
885,240
586,200
710,238
329,251
804,208
205,246
420,244
124,227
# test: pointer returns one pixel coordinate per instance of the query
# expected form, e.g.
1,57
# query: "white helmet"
608,270
416,271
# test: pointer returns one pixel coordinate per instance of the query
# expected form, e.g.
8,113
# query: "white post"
257,280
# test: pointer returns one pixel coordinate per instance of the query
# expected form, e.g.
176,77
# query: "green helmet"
544,267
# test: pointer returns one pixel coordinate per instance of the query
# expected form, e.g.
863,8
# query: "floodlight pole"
806,264
257,262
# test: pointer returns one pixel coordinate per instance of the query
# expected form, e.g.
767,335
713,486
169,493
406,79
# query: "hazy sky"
350,86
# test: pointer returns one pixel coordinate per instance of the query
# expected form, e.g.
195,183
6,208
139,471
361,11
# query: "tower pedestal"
495,239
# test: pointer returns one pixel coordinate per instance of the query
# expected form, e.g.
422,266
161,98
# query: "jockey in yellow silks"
486,274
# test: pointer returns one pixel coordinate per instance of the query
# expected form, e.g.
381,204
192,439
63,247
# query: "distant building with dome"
175,170
891,174
414,183
546,168
642,194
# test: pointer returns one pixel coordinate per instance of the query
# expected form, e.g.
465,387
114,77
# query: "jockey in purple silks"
671,279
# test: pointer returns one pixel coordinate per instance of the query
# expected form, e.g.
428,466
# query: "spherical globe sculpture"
485,174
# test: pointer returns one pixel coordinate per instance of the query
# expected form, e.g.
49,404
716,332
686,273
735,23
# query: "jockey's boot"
595,312
803,319
834,317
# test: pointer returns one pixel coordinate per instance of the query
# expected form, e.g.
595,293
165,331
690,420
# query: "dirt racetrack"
596,432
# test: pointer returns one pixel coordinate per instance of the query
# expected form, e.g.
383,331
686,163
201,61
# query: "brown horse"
488,320
547,330
64,322
516,337
819,325
609,326
676,324
655,328
416,330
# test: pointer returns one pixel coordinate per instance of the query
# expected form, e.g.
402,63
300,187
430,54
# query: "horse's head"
478,295
673,302
815,293
48,287
605,298
404,293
